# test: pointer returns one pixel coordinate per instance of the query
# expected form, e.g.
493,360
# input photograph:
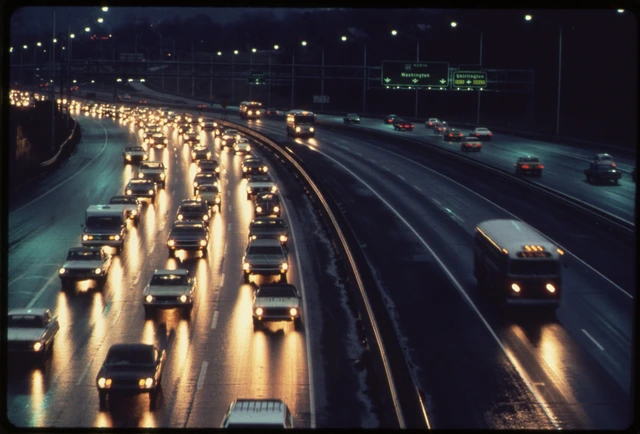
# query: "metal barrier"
55,157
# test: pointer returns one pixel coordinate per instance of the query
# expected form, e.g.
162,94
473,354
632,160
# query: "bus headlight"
259,311
515,287
551,288
283,238
183,298
293,311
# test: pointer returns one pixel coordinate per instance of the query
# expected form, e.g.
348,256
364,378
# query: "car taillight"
525,166
541,166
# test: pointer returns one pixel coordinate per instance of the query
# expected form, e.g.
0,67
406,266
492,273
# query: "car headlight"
293,311
171,243
248,189
150,191
265,168
117,238
217,170
128,191
195,183
246,266
140,175
98,271
203,243
199,170
297,129
37,346
236,147
85,237
244,169
224,142
284,266
515,287
551,288
205,217
217,200
259,311
312,129
276,209
102,382
193,155
134,212
183,298
180,217
149,298
258,209
165,140
208,154
162,176
62,270
248,147
273,188
128,157
283,238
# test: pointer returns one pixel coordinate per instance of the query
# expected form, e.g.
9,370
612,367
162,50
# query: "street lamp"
453,24
321,80
100,20
105,9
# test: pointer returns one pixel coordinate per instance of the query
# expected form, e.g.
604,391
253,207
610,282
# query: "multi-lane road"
414,214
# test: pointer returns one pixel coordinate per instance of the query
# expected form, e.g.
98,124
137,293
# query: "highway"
414,216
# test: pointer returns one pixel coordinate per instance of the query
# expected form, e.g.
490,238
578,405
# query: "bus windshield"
302,119
533,267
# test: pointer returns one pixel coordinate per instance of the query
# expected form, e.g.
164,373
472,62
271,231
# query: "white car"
210,194
276,302
431,122
31,331
260,184
481,133
230,136
242,145
257,414
85,263
169,289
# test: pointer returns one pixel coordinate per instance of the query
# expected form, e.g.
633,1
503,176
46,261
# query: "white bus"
251,110
517,264
301,123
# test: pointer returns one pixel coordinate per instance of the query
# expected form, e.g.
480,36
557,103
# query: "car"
153,170
205,178
265,256
253,166
184,127
158,140
528,164
188,236
390,119
274,112
471,145
150,130
453,134
351,118
169,289
260,184
132,205
481,133
192,139
144,188
441,128
276,302
258,414
191,209
431,122
229,137
603,159
134,154
602,172
242,146
210,194
200,153
269,227
208,125
267,204
207,166
127,96
31,332
402,125
131,369
85,263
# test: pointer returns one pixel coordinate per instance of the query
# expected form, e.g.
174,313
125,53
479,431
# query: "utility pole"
52,83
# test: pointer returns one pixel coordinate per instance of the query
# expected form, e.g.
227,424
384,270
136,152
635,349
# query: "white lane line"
104,146
19,277
41,291
224,252
228,227
152,248
229,193
203,372
463,293
401,177
221,280
214,321
84,373
417,188
312,399
593,340
229,208
386,168
359,154
372,160
435,200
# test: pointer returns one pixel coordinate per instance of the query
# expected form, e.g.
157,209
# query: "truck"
105,225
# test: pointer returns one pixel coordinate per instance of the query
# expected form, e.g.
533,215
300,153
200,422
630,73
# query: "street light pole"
251,76
479,89
364,82
162,59
52,91
322,84
233,77
211,77
415,113
559,82
193,70
293,74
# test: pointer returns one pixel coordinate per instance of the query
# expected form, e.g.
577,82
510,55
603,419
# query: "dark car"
390,118
204,178
134,154
253,166
131,204
269,227
402,125
351,118
207,166
274,112
602,172
200,153
441,128
528,164
131,369
188,236
267,204
453,135
193,210
144,188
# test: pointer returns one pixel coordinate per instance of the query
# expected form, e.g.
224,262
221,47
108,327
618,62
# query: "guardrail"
55,157
611,223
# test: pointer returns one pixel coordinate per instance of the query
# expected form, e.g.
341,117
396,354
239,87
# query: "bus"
301,123
251,110
516,264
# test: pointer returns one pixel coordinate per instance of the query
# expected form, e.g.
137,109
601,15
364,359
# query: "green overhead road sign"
411,73
469,79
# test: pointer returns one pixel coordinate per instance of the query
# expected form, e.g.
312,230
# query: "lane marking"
84,373
229,208
203,372
507,212
104,146
523,375
401,177
417,188
593,340
228,228
214,321
229,193
435,200
372,160
222,280
41,291
359,154
386,168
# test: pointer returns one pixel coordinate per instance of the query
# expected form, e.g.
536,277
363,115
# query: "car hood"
277,302
24,334
167,290
265,259
101,231
127,371
80,265
151,171
188,236
267,231
144,188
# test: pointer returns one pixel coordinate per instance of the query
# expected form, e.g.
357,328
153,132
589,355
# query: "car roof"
248,411
188,223
130,347
85,249
30,311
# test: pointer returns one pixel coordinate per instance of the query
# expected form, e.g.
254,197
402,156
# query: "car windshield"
531,159
141,182
259,179
231,132
168,279
273,291
268,198
265,250
151,166
136,149
208,189
200,177
26,321
104,221
83,255
533,267
305,119
130,356
279,223
188,229
190,209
